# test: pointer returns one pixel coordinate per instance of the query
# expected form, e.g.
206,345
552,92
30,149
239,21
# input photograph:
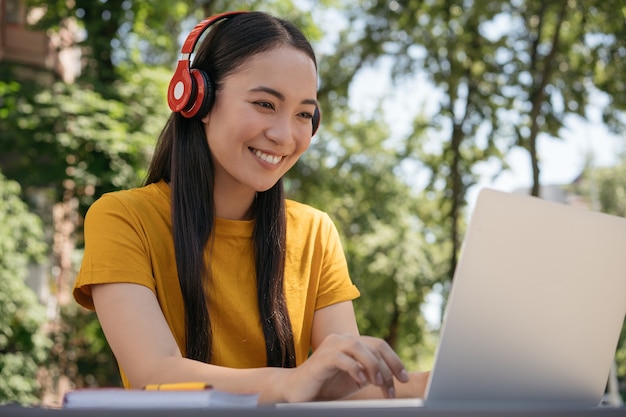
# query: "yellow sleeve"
116,250
335,284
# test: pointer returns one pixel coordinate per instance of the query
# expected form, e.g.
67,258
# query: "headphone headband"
193,37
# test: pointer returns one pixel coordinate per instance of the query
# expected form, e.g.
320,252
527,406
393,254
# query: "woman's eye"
306,115
265,104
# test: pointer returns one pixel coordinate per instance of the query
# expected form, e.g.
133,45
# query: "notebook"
535,311
175,399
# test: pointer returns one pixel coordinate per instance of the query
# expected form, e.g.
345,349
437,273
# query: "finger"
391,359
348,364
386,364
367,355
383,379
373,356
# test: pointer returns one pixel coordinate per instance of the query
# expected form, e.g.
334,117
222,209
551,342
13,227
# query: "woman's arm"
145,348
143,344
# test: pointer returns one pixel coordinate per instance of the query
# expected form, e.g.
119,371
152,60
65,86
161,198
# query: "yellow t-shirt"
128,238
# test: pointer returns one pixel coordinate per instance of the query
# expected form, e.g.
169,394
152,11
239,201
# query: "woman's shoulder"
304,214
133,199
295,207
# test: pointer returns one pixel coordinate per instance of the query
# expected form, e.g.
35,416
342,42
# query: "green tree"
605,190
70,138
561,53
124,35
118,34
505,73
443,41
23,344
76,144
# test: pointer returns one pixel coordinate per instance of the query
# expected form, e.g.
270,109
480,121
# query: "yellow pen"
178,386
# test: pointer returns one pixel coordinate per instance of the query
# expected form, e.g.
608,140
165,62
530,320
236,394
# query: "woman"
207,273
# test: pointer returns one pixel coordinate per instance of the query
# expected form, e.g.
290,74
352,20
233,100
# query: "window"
12,11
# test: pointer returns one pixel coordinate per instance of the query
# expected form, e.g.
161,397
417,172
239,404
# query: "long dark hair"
183,159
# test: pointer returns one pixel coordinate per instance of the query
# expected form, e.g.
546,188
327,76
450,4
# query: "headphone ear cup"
315,121
209,95
181,88
190,91
203,96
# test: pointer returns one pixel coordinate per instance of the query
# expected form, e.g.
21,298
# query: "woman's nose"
281,130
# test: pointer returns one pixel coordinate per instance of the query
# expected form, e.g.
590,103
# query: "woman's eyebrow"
280,95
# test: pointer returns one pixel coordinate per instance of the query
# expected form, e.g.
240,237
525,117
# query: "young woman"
207,273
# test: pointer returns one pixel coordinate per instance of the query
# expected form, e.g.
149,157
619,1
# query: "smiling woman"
260,124
207,273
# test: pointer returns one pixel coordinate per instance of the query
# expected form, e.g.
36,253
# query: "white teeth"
272,159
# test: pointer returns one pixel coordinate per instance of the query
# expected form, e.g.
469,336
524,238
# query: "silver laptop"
535,311
536,307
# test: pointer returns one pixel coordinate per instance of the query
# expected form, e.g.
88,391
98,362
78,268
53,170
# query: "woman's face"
260,122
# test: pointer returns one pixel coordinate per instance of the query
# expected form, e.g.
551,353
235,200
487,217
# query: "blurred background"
424,103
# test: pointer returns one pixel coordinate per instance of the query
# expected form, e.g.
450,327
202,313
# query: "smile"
271,159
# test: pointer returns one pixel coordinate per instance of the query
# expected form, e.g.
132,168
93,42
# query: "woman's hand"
342,365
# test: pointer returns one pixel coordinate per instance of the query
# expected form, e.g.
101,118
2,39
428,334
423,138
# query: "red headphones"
191,92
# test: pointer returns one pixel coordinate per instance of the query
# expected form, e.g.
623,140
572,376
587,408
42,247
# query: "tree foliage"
78,144
605,190
79,140
505,74
23,344
118,34
81,352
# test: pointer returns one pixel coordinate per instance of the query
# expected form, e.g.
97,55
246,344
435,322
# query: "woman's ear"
206,118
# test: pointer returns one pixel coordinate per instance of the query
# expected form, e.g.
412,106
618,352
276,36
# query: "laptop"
535,311
536,306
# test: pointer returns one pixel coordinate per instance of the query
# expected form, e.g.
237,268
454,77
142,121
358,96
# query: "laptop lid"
536,307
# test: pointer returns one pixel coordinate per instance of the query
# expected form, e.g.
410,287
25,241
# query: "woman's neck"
234,203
